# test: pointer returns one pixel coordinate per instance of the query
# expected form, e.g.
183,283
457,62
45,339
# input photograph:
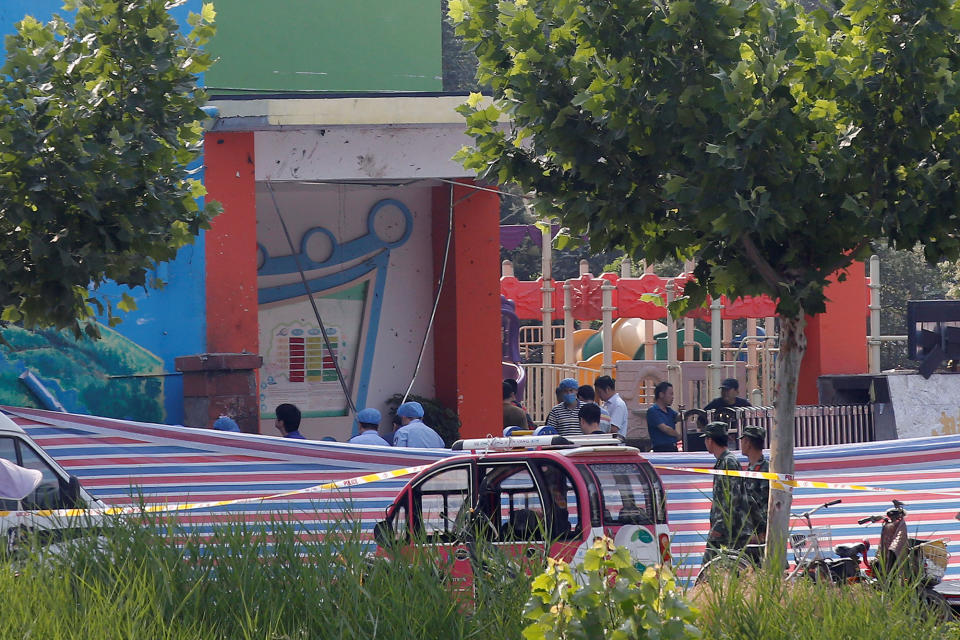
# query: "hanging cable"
436,300
313,303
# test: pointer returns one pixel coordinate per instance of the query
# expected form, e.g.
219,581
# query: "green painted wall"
327,45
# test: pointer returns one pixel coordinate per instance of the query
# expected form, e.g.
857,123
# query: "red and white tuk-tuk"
532,496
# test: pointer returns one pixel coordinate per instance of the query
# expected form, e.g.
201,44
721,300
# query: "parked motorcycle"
920,562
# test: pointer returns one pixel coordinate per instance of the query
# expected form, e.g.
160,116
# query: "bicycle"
808,556
807,547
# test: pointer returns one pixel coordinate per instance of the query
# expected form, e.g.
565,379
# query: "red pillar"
466,333
837,339
231,244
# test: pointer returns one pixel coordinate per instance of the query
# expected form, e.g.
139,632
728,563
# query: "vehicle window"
8,451
593,495
400,524
659,496
443,504
510,502
626,492
563,508
47,495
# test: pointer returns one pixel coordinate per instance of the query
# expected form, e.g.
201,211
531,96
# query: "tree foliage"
769,143
99,124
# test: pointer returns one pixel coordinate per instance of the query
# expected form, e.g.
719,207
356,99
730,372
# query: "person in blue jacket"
413,432
288,421
368,423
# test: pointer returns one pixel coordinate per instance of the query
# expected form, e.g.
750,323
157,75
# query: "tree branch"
767,272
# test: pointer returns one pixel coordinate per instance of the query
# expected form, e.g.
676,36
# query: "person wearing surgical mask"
565,416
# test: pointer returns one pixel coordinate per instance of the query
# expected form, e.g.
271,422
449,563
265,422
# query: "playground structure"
639,345
645,346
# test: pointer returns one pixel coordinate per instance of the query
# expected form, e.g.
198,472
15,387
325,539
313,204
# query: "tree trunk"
793,344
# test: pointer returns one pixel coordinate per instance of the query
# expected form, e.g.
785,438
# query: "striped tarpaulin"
117,459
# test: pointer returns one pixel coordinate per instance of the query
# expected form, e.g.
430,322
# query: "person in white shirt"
586,395
613,403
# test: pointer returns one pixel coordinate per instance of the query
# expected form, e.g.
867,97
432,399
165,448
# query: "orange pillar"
836,339
466,333
231,244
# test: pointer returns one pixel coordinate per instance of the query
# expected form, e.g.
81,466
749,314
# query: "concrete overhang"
369,137
259,112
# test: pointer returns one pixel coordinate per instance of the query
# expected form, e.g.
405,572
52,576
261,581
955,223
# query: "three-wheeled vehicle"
532,496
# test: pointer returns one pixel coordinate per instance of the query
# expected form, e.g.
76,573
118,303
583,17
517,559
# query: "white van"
57,490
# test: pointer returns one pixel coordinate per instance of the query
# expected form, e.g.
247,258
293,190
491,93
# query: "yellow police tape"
787,480
185,506
780,481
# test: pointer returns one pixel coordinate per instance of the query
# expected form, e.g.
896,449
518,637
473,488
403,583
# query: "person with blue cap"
226,423
368,424
413,432
565,416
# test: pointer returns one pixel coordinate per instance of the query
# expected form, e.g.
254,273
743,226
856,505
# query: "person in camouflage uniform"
756,492
728,511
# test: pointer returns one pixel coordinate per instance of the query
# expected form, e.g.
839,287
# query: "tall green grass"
157,580
762,606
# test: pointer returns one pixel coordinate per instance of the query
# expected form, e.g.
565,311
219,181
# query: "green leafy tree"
767,143
99,123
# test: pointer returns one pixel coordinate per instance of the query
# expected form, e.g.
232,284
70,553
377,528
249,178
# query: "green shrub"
607,598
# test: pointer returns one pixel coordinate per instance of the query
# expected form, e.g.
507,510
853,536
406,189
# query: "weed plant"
270,581
762,606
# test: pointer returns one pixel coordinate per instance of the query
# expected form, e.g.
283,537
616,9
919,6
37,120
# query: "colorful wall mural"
290,45
112,377
365,255
298,362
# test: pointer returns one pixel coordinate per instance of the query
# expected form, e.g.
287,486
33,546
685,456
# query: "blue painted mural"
130,373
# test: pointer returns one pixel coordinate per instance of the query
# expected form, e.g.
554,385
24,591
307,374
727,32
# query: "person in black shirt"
729,397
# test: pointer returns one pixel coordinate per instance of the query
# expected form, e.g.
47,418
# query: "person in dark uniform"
729,397
728,509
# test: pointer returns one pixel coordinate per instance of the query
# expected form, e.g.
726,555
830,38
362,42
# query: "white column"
626,267
769,368
649,344
546,259
673,367
607,310
567,324
506,269
874,340
716,328
752,366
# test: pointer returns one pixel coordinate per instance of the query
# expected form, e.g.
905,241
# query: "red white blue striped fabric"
116,460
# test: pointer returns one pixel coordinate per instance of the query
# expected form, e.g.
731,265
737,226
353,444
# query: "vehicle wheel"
818,571
937,605
722,567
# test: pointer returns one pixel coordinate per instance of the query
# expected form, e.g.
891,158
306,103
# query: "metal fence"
540,393
817,425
